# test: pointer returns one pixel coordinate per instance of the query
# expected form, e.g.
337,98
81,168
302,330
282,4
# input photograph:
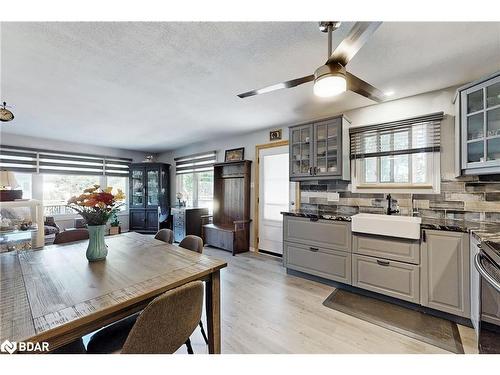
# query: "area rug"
418,325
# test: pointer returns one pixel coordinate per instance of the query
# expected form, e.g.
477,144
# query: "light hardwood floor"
264,310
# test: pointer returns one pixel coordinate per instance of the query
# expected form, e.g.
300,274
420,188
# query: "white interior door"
274,190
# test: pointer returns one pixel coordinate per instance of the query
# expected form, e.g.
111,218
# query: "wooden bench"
229,226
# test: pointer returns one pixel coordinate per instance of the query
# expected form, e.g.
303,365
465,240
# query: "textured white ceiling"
159,86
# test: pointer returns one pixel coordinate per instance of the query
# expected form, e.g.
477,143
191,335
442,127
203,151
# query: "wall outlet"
332,197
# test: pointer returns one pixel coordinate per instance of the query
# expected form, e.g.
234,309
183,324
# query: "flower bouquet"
96,206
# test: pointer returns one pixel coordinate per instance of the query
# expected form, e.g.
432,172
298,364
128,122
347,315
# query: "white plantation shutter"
43,161
195,163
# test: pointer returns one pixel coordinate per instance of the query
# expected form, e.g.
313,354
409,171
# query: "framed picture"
235,154
275,135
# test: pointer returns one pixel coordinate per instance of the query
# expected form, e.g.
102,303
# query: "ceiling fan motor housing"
334,69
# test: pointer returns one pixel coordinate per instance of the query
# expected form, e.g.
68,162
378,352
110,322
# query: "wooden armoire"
229,228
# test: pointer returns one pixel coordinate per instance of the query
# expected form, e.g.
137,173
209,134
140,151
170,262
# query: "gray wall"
248,140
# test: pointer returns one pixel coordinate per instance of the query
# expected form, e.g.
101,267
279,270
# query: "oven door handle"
484,273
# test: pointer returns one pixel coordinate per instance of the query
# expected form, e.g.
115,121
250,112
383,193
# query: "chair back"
79,223
71,236
165,235
167,322
192,242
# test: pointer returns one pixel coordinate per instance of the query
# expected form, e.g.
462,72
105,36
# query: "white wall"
430,102
422,104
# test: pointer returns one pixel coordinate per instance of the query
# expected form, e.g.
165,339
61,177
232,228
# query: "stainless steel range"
487,322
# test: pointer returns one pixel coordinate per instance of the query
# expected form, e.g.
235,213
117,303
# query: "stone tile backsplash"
465,198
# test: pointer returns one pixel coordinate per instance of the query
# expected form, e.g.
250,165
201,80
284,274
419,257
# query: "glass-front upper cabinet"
327,144
320,150
153,186
301,150
137,188
480,127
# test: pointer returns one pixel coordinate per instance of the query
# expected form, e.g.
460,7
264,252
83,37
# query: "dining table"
55,295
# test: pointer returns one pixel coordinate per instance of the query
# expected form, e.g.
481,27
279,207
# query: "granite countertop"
481,230
317,216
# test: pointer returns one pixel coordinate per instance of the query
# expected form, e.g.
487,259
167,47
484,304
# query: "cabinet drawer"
389,248
395,279
326,263
327,234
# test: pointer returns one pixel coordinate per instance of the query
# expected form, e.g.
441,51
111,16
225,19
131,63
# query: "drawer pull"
383,262
314,249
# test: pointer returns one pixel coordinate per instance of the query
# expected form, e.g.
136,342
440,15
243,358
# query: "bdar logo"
8,347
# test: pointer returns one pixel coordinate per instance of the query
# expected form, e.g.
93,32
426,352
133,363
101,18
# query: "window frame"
37,193
432,186
196,180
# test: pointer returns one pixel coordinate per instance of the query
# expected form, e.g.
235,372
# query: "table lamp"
8,185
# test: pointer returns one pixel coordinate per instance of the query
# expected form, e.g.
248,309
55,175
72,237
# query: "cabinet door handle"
314,249
311,170
424,237
479,246
382,262
315,170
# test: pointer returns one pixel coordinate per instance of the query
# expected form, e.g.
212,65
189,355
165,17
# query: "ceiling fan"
5,114
332,78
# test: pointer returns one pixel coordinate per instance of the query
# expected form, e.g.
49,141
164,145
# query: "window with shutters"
397,156
195,179
54,177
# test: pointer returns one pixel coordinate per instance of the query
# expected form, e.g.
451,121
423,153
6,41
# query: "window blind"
43,161
195,163
409,136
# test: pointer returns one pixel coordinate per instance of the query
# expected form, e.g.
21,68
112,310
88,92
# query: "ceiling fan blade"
357,37
363,88
278,86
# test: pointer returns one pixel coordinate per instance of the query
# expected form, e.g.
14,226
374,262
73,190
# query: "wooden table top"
47,292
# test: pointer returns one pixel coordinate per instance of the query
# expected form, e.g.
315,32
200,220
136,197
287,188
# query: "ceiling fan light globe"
329,85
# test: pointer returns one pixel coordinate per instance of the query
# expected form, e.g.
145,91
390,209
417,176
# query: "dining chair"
75,347
71,236
194,243
165,235
162,327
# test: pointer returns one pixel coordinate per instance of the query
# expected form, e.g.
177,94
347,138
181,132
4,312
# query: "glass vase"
97,249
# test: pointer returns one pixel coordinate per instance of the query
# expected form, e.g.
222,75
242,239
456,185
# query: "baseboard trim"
271,253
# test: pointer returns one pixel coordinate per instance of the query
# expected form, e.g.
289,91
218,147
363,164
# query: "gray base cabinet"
445,282
329,264
394,279
387,247
321,248
323,233
433,272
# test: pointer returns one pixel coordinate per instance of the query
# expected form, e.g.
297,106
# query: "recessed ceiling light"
389,93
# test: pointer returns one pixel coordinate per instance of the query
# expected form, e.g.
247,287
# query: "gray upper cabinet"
479,127
320,150
301,150
445,270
